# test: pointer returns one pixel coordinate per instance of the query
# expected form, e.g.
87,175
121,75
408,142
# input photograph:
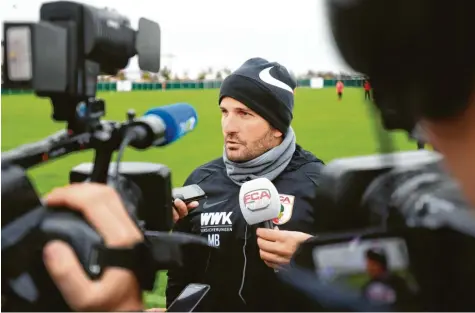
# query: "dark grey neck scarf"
268,165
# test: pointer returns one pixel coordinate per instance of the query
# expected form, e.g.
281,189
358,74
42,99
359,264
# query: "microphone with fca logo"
259,202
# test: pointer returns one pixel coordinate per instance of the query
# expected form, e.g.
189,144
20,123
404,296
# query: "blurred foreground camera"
400,236
345,183
405,269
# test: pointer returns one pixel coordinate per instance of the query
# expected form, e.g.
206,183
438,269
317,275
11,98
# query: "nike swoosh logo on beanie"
266,77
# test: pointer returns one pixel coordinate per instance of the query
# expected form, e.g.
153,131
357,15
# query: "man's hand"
118,289
180,209
276,247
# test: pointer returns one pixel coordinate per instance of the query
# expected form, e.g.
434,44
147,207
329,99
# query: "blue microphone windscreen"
179,119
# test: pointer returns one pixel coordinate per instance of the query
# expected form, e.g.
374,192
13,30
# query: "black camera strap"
138,259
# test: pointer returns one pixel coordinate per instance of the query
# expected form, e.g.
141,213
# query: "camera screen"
377,269
19,53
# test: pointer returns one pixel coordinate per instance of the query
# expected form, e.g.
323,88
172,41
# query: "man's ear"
277,133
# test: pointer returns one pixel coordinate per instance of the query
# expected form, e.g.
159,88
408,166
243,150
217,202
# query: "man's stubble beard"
256,148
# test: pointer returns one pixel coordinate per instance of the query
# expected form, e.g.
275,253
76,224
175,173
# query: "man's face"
246,134
374,268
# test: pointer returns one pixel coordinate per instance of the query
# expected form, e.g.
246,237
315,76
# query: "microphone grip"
268,224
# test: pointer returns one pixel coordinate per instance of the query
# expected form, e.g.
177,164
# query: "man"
384,286
339,89
367,90
256,103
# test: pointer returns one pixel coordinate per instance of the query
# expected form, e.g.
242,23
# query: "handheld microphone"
259,202
163,125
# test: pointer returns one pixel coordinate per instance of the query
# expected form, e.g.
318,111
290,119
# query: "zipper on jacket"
244,267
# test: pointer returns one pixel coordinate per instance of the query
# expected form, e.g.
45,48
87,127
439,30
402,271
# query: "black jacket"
236,264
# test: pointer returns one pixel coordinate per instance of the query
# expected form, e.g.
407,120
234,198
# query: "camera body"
345,183
27,285
406,204
433,268
49,56
155,184
61,56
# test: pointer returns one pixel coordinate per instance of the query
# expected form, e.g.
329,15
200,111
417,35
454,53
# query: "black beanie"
266,88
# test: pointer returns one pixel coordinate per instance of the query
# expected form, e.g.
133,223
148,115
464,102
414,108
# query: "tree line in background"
166,74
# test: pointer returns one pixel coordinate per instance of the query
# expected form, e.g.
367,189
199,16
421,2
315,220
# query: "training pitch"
325,126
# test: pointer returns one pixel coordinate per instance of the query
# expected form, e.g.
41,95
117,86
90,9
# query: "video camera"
407,207
396,232
60,58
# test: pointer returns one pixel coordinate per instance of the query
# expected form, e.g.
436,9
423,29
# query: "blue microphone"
163,125
179,118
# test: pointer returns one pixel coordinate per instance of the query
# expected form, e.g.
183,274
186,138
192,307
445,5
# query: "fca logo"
213,240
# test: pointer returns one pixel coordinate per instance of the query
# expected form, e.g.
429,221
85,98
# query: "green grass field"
328,128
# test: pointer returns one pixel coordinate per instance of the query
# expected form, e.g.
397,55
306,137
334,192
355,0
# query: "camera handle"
104,137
